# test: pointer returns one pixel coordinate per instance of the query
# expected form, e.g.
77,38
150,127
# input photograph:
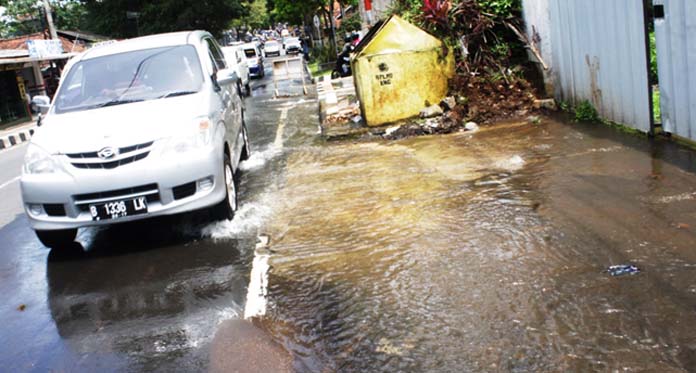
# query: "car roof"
249,46
145,42
230,48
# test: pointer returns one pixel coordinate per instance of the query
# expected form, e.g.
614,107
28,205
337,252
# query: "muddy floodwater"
485,251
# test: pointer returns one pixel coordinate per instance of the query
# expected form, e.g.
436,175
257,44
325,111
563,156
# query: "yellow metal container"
399,69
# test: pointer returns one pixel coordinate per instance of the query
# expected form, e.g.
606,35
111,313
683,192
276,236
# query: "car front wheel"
226,208
58,238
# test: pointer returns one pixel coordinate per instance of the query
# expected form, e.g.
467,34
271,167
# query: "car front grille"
150,191
126,155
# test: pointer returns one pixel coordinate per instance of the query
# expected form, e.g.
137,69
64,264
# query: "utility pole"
49,20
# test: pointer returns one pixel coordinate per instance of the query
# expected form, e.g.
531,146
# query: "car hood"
120,125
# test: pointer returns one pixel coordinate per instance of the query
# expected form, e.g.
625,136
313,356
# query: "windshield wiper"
118,102
177,93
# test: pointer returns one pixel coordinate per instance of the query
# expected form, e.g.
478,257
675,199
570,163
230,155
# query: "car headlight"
39,161
200,137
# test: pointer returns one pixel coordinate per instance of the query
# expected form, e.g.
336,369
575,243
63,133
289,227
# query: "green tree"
27,16
109,17
255,16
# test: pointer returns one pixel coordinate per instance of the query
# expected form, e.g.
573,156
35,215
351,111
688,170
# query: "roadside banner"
44,48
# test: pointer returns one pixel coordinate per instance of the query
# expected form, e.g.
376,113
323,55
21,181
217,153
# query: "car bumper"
177,184
255,71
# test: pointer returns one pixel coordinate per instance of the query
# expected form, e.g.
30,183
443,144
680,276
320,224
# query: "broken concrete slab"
431,111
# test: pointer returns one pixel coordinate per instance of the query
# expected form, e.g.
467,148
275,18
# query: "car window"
250,53
131,76
216,54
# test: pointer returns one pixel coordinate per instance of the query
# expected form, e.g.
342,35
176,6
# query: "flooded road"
486,251
482,251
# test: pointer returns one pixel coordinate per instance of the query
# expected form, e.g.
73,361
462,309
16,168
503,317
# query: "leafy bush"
501,8
586,112
653,59
348,25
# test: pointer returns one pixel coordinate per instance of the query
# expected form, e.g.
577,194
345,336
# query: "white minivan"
254,60
139,128
237,60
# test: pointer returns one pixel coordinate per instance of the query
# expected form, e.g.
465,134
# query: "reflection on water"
486,252
148,309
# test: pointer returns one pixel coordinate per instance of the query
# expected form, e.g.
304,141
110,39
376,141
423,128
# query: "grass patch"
586,112
318,70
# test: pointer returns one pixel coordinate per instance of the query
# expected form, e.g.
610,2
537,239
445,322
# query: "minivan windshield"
130,77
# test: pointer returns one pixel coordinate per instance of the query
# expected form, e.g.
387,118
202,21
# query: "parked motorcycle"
342,68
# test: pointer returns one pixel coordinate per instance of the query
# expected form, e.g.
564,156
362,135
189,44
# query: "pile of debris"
349,112
434,119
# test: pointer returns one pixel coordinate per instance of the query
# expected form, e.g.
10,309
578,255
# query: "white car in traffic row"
236,60
139,128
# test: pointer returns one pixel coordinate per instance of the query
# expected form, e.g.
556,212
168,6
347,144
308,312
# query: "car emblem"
107,153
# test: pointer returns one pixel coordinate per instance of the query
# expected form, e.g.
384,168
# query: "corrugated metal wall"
599,54
676,47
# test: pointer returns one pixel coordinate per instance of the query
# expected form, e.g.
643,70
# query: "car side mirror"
43,103
226,77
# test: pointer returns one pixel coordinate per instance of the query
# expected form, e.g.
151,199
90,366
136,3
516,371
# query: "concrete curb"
16,137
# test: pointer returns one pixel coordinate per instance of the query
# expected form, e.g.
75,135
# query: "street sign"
44,48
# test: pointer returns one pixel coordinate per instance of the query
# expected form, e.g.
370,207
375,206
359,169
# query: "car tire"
58,238
226,208
246,150
335,75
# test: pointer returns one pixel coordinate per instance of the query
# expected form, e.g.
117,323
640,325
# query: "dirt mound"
486,100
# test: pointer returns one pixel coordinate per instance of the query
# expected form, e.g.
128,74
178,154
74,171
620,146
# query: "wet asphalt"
146,296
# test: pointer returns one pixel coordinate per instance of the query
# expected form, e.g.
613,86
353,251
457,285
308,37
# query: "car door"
230,111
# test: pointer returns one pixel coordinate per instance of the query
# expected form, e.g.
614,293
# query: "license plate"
118,209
